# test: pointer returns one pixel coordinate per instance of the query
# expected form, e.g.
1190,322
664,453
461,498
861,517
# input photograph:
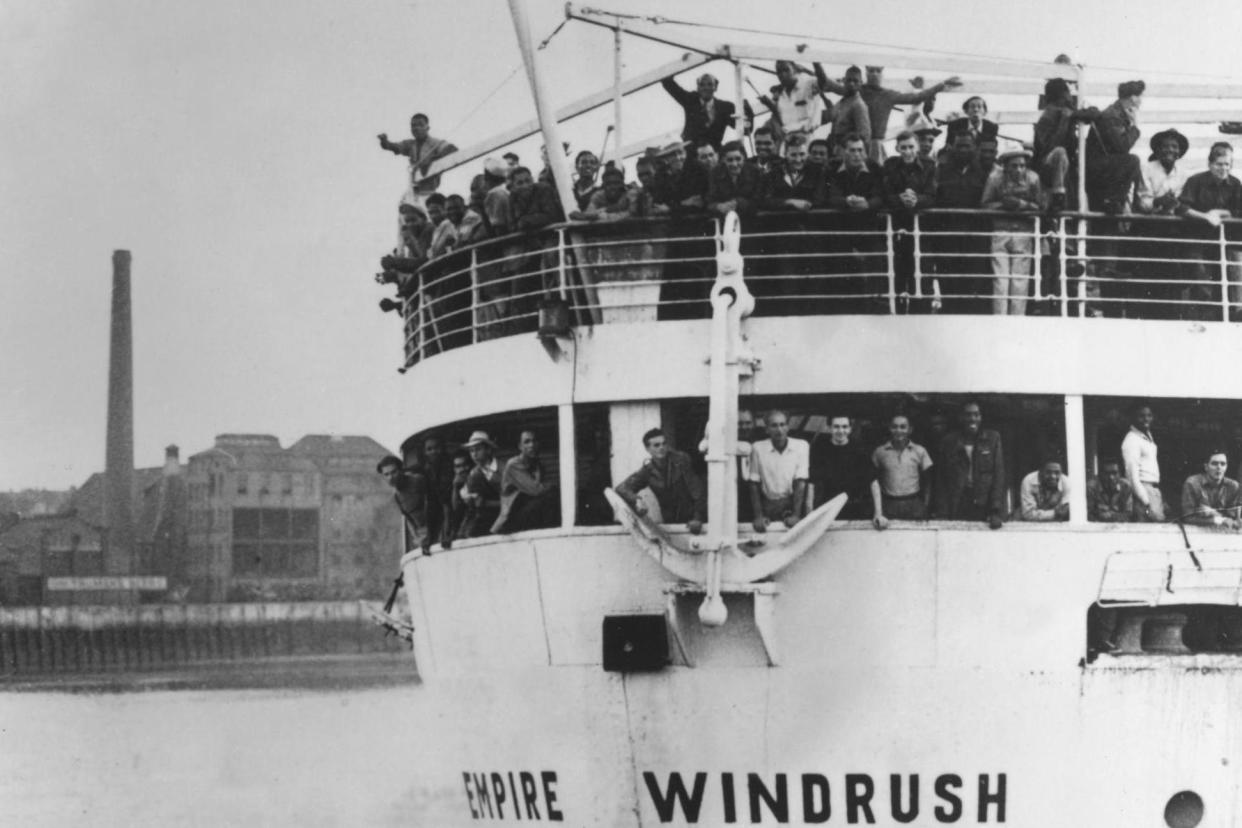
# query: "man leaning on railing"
1208,198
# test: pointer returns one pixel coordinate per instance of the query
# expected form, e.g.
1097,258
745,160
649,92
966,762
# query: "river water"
306,744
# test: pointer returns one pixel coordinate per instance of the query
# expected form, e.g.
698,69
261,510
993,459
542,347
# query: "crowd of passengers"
815,153
781,479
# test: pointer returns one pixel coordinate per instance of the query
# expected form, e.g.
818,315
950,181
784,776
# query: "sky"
231,147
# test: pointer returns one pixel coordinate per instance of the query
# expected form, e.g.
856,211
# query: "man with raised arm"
1209,498
779,468
706,117
668,474
850,116
796,101
1044,494
527,499
902,486
410,494
1138,451
971,484
880,102
422,150
1109,496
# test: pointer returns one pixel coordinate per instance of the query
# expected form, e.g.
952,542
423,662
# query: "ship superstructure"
616,672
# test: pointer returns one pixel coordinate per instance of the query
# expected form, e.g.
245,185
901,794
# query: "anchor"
718,561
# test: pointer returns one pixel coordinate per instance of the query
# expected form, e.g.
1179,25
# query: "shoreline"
310,672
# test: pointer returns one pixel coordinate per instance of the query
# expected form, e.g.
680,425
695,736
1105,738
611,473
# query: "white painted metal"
561,174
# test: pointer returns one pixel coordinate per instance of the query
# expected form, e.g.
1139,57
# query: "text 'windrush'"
769,801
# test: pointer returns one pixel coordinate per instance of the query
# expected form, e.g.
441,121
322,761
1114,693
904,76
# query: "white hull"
950,653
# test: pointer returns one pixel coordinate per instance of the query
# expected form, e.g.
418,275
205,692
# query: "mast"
561,174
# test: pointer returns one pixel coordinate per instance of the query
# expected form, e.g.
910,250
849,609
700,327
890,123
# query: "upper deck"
625,311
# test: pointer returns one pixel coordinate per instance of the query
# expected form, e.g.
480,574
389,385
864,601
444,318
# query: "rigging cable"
542,45
659,19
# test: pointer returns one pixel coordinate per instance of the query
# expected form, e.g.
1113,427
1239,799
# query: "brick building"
313,521
244,520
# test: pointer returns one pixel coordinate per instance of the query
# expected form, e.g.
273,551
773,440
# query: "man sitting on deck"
676,488
779,468
1210,498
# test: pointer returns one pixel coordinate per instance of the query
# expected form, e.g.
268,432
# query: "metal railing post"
1224,273
918,256
1082,260
474,295
1064,263
1037,243
420,292
892,272
562,277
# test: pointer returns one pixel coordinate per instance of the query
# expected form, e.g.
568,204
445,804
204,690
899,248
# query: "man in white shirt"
1044,494
779,468
1163,176
1138,451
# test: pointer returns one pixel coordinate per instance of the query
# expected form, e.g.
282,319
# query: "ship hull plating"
922,677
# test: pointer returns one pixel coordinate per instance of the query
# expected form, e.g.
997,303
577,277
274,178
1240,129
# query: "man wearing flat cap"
1111,169
1056,138
1015,191
482,486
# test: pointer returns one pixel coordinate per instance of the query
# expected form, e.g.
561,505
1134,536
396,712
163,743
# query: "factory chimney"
120,552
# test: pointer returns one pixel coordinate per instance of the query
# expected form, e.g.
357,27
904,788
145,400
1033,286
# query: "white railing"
827,262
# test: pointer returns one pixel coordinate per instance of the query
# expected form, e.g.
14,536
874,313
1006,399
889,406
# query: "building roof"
88,501
337,444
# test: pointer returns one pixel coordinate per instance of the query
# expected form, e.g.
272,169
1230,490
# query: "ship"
614,671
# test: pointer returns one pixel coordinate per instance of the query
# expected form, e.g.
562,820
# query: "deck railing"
828,262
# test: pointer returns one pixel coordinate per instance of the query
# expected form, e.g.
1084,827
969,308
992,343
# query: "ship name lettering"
513,795
768,800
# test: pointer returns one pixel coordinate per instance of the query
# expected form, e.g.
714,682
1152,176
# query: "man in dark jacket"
972,472
706,115
673,483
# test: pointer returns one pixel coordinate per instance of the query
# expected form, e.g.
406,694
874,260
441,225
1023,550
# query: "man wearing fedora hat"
1015,191
482,486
